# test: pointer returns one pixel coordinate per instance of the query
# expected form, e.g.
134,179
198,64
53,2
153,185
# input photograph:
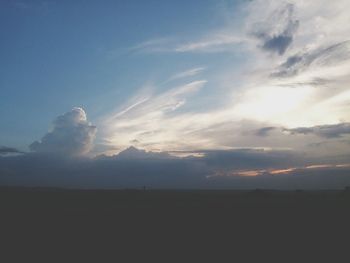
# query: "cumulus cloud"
71,135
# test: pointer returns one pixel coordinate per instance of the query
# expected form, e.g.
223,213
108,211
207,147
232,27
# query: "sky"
175,94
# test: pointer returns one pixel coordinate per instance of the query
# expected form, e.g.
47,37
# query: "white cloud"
156,123
295,74
188,73
216,42
153,45
71,135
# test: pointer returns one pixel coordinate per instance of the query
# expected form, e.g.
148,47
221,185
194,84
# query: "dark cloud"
9,150
262,132
330,55
329,143
135,141
278,43
218,169
71,135
37,169
277,33
134,153
289,68
292,61
252,159
326,131
126,171
303,178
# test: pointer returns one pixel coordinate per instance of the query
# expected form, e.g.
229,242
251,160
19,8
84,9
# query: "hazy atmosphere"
175,94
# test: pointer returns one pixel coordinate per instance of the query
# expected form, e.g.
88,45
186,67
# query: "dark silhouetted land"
168,225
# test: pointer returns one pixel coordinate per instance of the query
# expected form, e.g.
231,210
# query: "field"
168,224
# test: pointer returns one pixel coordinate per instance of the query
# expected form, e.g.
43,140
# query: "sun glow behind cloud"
273,104
273,172
153,121
257,90
293,73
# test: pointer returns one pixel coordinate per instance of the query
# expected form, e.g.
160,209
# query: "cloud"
153,45
278,44
327,131
250,158
132,153
9,150
188,73
320,57
277,32
217,42
156,122
305,84
135,168
71,135
291,179
214,42
264,131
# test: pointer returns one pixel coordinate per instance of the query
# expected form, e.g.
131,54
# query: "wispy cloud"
154,122
188,73
162,44
296,72
129,108
214,42
217,42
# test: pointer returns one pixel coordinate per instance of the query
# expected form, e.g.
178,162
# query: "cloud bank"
9,150
327,131
135,168
59,161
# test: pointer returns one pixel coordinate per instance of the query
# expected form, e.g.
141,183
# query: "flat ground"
169,224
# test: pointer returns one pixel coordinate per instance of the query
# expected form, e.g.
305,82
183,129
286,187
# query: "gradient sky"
242,88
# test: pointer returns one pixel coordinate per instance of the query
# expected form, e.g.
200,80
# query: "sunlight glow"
272,103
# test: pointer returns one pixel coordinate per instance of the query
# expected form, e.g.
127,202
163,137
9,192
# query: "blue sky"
185,78
59,54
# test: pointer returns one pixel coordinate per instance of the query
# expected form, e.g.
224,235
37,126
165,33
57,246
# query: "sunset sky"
196,94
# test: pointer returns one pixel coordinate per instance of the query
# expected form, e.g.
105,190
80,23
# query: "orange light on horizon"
316,166
249,173
282,171
253,173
